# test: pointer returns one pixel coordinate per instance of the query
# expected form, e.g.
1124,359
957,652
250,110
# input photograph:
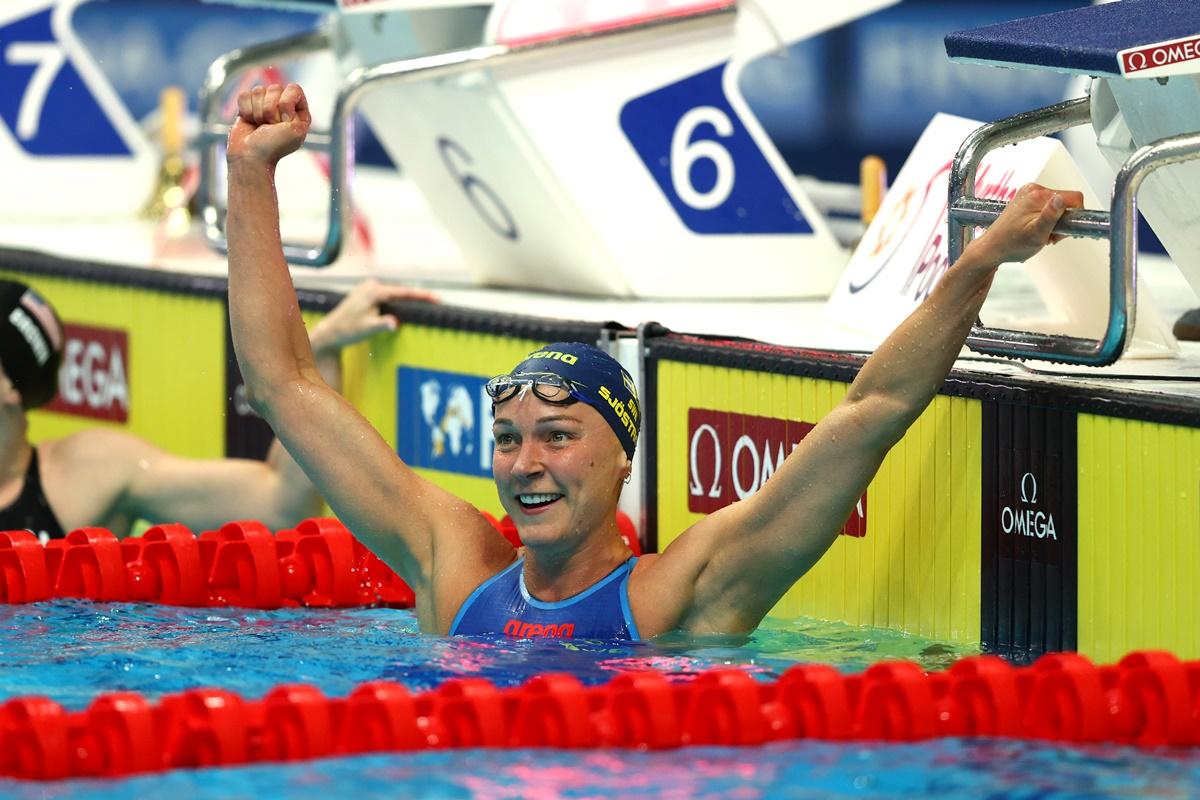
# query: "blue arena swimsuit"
502,605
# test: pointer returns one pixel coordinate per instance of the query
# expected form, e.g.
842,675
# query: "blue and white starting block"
1144,105
582,146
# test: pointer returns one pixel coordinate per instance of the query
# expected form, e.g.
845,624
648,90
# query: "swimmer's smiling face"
558,468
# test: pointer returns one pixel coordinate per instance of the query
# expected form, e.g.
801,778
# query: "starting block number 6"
685,153
481,196
710,167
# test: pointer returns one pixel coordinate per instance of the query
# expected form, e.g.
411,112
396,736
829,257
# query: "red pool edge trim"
1149,699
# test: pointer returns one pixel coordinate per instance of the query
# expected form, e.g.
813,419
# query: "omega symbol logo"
1022,519
1029,488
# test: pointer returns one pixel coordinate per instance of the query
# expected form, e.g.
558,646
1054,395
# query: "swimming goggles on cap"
548,386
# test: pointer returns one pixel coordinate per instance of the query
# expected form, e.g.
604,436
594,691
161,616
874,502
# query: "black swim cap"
597,379
31,342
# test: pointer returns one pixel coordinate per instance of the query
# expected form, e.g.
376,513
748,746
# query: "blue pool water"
73,650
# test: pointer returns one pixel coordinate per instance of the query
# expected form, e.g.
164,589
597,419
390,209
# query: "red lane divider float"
1148,699
319,564
243,564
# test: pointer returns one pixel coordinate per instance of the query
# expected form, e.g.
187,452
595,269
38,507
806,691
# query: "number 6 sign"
706,162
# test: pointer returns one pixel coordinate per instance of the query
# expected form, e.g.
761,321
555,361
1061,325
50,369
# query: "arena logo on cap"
554,355
730,457
1162,58
93,380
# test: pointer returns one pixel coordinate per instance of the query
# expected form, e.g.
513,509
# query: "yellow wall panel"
1139,537
917,569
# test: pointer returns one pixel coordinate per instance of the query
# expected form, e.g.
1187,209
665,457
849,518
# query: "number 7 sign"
61,123
47,101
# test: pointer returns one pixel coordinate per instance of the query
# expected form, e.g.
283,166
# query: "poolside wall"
1026,516
1023,515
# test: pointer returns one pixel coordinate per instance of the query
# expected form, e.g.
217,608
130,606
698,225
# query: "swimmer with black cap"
111,479
565,434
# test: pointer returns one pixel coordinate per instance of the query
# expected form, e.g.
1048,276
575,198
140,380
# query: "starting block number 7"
47,59
44,99
710,167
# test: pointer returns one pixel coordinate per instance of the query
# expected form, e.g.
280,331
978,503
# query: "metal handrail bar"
1118,225
220,74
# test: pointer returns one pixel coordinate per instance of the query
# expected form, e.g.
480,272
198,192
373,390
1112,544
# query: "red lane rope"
1148,699
319,564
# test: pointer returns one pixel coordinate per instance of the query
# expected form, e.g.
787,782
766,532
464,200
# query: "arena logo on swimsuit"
730,457
93,380
533,630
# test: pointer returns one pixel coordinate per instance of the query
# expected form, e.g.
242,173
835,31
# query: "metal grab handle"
1118,225
1081,223
213,131
339,137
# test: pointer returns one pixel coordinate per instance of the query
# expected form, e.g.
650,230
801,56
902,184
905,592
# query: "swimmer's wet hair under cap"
591,376
31,342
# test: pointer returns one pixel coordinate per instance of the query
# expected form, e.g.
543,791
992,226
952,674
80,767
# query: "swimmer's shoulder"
95,446
85,475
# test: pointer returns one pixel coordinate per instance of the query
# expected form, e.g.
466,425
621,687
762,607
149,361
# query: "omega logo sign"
93,380
730,456
1161,55
1026,519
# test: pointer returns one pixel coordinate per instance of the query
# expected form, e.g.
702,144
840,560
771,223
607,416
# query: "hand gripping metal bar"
966,212
340,136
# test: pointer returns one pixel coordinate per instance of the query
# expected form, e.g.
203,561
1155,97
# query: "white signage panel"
904,253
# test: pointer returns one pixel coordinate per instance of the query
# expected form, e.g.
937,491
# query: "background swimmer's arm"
744,557
393,510
112,479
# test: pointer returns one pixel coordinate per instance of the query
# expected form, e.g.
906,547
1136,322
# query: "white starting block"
590,146
1144,106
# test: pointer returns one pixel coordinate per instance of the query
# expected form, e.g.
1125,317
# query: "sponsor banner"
1030,542
444,421
518,22
376,6
904,254
93,380
1173,57
730,456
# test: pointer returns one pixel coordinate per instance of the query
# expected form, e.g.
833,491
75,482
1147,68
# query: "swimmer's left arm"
743,558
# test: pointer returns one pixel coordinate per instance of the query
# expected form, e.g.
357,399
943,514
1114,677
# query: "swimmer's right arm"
393,510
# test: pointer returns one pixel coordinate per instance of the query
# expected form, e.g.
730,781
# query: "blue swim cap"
596,378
